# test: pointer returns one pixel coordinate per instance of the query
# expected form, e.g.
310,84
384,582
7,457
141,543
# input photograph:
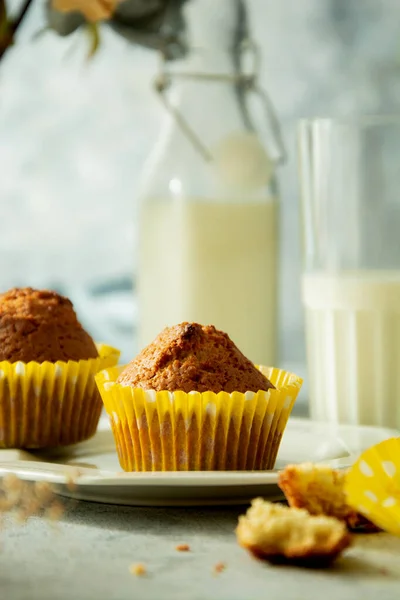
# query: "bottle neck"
213,24
204,94
206,62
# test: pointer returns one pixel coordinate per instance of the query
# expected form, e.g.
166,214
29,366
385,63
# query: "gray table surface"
88,554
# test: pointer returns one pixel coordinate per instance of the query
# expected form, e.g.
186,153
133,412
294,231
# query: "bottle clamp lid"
245,82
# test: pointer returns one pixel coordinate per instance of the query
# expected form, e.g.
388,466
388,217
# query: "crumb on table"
55,511
219,567
183,548
24,499
138,569
280,534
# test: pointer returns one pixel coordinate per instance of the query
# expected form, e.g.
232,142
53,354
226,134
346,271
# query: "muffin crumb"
24,499
183,548
71,479
219,567
320,490
280,534
138,569
55,511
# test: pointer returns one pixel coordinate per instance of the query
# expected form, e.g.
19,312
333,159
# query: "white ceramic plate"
101,480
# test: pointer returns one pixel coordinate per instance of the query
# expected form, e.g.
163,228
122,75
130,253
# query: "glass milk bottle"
208,229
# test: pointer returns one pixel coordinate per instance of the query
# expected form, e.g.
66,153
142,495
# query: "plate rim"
62,474
41,471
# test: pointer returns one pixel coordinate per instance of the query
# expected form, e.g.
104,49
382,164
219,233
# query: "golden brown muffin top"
41,325
192,357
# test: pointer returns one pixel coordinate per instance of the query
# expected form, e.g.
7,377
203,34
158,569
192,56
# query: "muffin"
41,325
48,395
291,535
320,490
191,357
192,401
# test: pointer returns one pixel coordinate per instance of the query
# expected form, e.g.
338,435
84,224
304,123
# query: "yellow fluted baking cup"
178,431
373,485
48,404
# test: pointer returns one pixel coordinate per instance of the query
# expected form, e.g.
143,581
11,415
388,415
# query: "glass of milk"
350,187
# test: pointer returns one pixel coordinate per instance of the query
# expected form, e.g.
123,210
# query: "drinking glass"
350,189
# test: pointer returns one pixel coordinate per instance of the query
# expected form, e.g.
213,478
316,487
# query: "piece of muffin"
192,401
48,396
280,534
192,357
320,490
40,325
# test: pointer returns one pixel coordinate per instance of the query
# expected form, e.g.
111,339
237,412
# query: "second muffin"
41,325
48,396
192,401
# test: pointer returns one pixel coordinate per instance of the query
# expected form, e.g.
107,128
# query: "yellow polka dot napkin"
373,485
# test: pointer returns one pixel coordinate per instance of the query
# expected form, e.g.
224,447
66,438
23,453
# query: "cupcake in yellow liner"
176,429
373,485
48,404
48,396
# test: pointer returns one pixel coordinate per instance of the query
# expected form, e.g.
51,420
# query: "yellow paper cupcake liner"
373,485
178,431
48,404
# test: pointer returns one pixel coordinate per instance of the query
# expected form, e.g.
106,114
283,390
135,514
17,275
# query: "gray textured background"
74,138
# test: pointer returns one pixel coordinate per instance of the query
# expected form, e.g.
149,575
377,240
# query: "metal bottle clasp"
247,82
